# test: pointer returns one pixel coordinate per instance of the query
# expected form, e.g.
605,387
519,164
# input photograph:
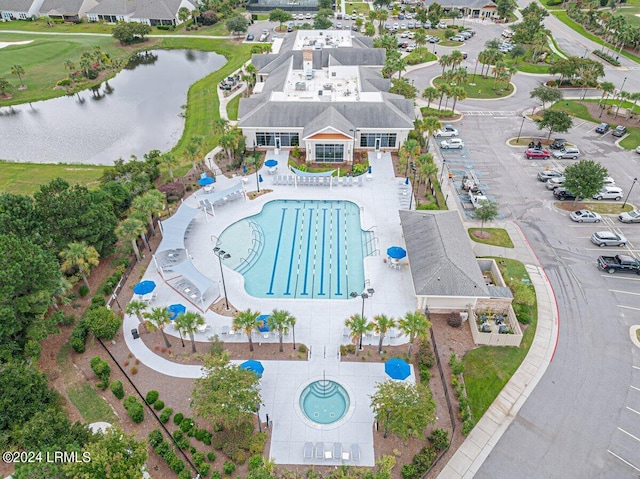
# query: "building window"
268,138
387,140
329,153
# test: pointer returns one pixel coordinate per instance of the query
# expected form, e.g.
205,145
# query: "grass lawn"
90,405
40,25
482,88
499,237
573,108
449,43
420,55
631,140
487,369
441,114
43,61
232,107
608,208
25,178
360,7
630,15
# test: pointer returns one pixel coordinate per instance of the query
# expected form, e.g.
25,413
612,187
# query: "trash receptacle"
134,333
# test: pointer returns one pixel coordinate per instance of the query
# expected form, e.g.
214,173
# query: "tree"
102,322
114,455
381,324
157,319
149,204
408,152
18,71
321,22
225,394
280,16
405,409
51,428
5,87
388,42
188,323
127,33
138,308
183,14
415,325
359,326
504,8
81,256
584,178
237,24
194,148
280,321
554,121
430,94
458,93
607,89
246,321
129,230
486,211
170,162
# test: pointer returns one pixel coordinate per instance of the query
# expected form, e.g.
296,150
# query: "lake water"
138,110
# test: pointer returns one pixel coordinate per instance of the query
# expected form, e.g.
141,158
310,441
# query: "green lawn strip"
232,107
203,103
43,61
25,178
499,237
632,140
449,43
420,55
360,7
482,88
487,369
564,18
603,208
630,15
91,406
40,25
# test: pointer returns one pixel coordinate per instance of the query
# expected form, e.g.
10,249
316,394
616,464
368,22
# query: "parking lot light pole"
222,254
635,180
521,125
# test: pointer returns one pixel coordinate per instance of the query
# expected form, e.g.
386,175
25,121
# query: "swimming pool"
324,402
310,249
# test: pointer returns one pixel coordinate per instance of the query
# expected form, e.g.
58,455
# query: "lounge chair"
225,330
319,450
355,452
337,450
307,452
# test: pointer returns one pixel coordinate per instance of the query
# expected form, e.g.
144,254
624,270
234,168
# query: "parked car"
637,149
457,38
558,143
534,153
608,238
620,131
453,143
434,39
354,27
554,183
563,194
567,153
442,24
609,193
608,181
602,128
250,37
546,175
630,216
426,24
464,55
447,131
410,48
619,262
585,216
339,25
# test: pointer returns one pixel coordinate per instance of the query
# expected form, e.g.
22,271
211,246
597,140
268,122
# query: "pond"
138,110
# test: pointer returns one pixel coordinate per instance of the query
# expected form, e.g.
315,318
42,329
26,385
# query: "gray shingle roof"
441,259
61,7
114,7
329,117
15,5
157,9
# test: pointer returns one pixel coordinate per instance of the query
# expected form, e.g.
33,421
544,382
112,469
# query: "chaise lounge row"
320,452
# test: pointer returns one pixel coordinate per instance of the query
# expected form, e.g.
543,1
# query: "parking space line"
629,434
635,367
620,277
633,387
633,410
629,307
623,292
626,462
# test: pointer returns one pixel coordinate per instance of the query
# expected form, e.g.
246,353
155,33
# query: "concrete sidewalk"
488,431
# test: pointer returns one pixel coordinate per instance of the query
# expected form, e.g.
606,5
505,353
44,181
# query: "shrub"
198,458
302,348
177,419
204,469
216,475
98,300
83,290
155,438
134,370
426,357
102,370
79,336
102,322
134,408
165,415
186,424
173,191
117,389
606,57
255,462
467,426
347,349
151,397
211,456
440,439
454,319
457,366
64,82
228,468
240,457
185,473
409,471
257,442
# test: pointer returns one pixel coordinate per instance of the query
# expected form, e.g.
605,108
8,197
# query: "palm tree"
97,55
458,93
359,326
228,141
459,76
421,38
414,324
246,321
188,323
129,230
85,63
149,204
430,94
381,324
195,13
158,318
410,149
18,71
138,308
193,148
444,61
69,65
280,321
444,89
455,59
607,88
82,256
426,166
431,125
170,161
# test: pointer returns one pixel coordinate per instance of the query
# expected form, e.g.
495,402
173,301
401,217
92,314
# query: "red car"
533,153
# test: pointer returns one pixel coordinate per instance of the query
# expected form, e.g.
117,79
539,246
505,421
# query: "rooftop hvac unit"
301,86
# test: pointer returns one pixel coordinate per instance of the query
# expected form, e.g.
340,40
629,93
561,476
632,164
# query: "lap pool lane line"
293,245
324,231
338,257
275,259
306,260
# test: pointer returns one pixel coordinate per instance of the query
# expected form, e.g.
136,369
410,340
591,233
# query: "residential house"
67,10
19,9
150,12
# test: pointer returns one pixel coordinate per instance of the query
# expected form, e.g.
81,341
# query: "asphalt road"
583,419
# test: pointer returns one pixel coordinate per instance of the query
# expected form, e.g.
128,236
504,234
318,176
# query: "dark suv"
602,128
620,131
563,194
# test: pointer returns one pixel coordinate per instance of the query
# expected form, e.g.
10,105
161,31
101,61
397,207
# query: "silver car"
609,193
630,216
585,216
608,238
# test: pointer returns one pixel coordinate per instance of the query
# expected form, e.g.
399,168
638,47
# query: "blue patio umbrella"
176,310
271,163
406,180
244,169
260,178
396,252
262,321
206,181
254,366
144,287
397,368
369,170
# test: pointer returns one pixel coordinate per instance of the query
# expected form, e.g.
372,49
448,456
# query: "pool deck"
319,323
